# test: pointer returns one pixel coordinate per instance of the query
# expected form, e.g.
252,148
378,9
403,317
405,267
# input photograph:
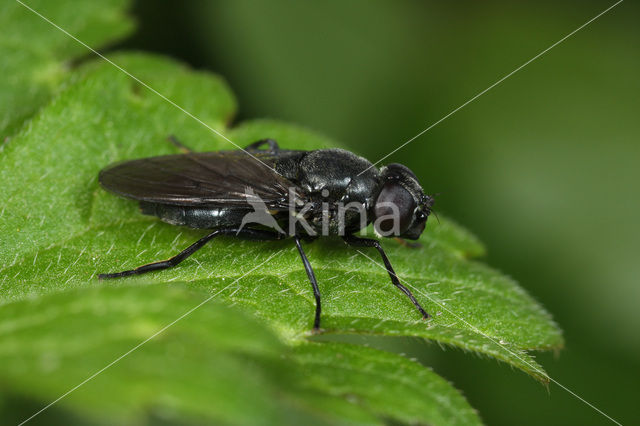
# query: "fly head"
402,208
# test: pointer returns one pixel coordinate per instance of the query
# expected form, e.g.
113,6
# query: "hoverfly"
219,190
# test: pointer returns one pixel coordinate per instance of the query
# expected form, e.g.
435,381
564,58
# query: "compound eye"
398,217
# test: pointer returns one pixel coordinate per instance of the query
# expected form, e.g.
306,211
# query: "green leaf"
35,57
60,229
51,344
386,384
214,363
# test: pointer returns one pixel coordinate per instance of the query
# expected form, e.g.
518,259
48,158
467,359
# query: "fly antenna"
436,215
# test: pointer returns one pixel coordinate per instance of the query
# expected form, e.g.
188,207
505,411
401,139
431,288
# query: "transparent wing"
211,178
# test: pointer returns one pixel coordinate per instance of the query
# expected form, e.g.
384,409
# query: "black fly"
298,194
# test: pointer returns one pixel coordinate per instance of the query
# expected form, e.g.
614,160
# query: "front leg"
352,240
406,243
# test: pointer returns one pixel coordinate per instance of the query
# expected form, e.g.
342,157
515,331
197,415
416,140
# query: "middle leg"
272,144
314,283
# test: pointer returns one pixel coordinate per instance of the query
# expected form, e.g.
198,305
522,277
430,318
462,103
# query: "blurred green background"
543,168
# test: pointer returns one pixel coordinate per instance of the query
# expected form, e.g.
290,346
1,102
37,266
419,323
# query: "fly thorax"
342,186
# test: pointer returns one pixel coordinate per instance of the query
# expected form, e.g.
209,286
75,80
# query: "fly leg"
182,147
352,240
314,283
244,233
406,243
273,145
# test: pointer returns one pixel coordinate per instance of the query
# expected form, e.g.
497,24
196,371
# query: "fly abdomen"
194,217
